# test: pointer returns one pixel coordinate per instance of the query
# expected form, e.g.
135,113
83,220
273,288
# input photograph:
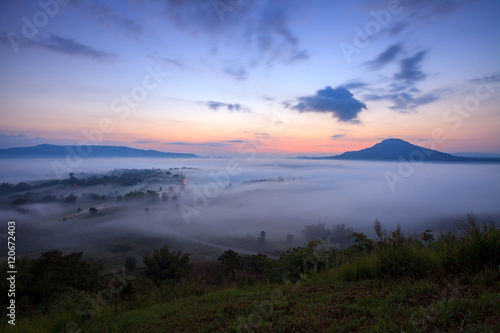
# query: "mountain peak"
394,149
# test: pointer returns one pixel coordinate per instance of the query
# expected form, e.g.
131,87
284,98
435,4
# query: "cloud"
235,141
168,61
146,141
339,102
20,140
206,144
410,68
402,90
385,57
107,17
337,136
71,47
257,31
355,85
215,106
425,12
239,73
495,77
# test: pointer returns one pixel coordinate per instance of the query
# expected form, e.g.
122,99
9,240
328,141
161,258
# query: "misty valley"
201,206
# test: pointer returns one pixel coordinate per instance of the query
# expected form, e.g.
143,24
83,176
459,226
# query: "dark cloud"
259,31
385,57
337,136
71,47
146,141
215,106
107,17
339,102
235,141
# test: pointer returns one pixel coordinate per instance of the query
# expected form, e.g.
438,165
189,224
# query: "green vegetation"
394,283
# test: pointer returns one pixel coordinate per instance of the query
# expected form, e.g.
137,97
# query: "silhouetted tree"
312,232
289,239
93,210
70,198
231,261
164,265
341,235
262,236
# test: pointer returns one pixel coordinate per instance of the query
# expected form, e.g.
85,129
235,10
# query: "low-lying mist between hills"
279,197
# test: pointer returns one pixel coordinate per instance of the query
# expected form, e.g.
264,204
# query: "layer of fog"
295,193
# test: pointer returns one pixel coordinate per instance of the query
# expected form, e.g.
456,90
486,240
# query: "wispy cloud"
385,57
410,69
339,102
216,106
167,61
145,141
71,47
261,29
206,144
402,90
425,12
109,18
337,136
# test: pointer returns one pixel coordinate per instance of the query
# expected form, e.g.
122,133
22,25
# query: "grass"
401,284
318,304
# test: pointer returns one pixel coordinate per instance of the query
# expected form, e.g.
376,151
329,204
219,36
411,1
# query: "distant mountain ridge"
397,149
48,150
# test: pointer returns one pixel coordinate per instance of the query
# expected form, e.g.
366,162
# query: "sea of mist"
279,196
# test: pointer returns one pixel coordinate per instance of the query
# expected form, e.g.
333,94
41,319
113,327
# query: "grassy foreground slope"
319,304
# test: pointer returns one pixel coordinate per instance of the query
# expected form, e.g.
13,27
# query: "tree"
231,261
164,265
289,239
341,235
55,272
312,232
262,236
70,198
93,210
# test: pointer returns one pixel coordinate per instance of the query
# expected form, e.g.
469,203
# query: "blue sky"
286,77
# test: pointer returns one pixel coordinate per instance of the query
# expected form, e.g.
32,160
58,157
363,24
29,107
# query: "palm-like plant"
164,264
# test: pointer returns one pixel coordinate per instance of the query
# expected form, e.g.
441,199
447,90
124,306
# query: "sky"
223,77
